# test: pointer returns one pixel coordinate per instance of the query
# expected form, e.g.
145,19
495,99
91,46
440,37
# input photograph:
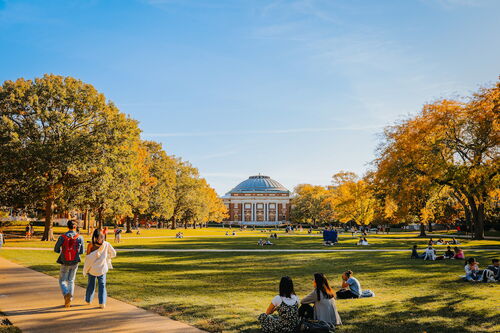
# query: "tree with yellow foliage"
451,144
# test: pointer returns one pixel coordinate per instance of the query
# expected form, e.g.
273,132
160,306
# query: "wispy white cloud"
274,131
448,4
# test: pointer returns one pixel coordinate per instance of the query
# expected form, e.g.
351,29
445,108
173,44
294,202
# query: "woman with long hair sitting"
286,303
323,298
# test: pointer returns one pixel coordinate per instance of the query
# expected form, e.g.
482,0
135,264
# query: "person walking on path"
97,263
1,239
69,246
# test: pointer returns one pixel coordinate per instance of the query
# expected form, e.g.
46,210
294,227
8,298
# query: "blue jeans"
101,281
67,276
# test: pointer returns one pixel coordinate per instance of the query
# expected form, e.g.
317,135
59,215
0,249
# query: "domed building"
259,200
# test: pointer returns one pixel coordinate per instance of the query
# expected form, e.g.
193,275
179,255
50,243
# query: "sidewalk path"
248,250
33,302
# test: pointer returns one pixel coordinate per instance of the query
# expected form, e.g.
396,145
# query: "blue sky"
297,90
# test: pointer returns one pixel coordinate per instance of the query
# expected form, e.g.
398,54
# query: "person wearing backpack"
69,246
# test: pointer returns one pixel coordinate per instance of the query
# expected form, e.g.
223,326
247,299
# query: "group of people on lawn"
431,254
474,274
291,310
70,246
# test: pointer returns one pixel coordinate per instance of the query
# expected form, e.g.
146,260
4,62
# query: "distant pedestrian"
69,246
97,264
118,235
105,233
2,241
28,232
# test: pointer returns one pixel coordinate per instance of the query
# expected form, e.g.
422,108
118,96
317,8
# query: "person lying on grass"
440,241
351,288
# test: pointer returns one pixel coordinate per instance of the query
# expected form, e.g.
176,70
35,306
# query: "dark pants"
345,294
306,311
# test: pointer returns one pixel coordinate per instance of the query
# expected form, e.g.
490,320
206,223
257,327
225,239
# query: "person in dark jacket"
69,246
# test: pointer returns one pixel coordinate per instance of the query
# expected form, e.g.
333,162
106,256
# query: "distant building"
259,200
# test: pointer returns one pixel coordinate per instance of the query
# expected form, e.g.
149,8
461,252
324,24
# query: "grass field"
225,292
215,238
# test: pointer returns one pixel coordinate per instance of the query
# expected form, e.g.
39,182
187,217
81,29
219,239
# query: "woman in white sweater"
97,264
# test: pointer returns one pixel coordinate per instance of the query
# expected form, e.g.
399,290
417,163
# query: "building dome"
259,184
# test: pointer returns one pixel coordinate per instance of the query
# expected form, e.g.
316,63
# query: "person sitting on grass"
495,268
454,241
286,303
459,253
323,299
472,272
431,242
430,253
363,241
449,254
440,241
351,287
414,253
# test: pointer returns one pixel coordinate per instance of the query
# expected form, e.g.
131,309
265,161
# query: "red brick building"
259,200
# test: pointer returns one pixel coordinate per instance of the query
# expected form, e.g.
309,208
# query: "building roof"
259,184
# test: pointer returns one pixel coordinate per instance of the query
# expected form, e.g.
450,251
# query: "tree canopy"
63,145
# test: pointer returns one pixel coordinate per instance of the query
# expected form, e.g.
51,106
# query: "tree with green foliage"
57,134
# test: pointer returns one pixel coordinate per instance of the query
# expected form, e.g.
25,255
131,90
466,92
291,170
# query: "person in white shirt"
286,303
97,264
430,253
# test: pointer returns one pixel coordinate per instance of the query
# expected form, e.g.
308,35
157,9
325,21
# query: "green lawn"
225,292
215,238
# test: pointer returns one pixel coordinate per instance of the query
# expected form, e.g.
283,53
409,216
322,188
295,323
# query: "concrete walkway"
33,302
264,249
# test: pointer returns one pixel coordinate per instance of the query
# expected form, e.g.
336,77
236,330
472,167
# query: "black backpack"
316,326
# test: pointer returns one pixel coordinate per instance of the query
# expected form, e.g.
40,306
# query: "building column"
276,212
242,212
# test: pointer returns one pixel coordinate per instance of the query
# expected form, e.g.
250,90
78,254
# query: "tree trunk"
422,230
99,218
48,234
128,223
479,222
477,211
174,224
85,215
430,226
